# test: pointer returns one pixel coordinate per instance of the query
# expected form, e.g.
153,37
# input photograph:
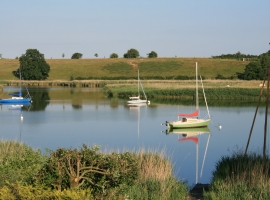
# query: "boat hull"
197,123
15,101
139,101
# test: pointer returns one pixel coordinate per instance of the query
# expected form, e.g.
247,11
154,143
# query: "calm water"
64,117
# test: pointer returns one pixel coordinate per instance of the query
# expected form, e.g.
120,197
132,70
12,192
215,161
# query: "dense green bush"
86,173
86,167
18,162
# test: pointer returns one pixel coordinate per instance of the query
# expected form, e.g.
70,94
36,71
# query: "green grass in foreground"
241,177
27,174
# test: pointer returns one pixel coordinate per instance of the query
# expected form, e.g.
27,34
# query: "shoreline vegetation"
161,89
86,173
26,173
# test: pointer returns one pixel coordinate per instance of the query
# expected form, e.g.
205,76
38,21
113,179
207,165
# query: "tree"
76,56
253,71
256,70
264,60
96,55
33,66
238,55
114,55
132,53
63,55
152,54
0,56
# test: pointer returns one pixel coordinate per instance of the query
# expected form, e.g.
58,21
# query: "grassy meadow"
63,69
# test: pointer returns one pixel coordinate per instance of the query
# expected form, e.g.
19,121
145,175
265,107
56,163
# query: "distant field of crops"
64,69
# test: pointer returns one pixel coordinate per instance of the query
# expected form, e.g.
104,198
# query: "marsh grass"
241,177
187,91
156,179
11,149
154,164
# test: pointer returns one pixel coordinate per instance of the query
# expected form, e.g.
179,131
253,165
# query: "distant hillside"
64,69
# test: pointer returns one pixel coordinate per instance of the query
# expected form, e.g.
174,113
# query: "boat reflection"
136,108
192,135
12,106
18,108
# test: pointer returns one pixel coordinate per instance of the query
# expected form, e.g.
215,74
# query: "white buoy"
219,127
21,117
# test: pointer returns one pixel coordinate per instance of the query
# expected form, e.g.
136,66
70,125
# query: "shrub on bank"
18,162
86,173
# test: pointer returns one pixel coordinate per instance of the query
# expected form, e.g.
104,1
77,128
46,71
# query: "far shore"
161,84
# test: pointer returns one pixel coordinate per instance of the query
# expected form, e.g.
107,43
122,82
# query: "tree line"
131,53
238,56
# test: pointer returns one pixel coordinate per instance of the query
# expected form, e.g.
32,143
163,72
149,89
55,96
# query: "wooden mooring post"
266,112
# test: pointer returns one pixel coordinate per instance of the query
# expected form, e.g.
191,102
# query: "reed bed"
156,180
212,93
11,149
154,164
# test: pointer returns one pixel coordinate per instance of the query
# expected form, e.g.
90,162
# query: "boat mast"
205,99
197,97
138,85
20,81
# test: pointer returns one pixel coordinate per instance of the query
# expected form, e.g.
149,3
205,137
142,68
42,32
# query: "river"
69,117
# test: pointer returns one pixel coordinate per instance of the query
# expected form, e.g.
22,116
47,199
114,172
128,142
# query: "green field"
63,69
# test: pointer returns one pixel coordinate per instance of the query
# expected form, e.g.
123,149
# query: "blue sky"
189,28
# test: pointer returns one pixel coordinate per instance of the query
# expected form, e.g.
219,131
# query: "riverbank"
161,84
184,89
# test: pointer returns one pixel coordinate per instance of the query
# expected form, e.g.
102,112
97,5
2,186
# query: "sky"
182,28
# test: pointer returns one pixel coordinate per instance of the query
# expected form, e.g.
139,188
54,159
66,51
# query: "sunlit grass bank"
27,174
241,177
64,69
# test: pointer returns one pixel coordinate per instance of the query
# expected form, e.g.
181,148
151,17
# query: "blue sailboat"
17,98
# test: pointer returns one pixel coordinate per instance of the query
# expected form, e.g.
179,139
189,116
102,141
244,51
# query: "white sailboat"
191,120
137,99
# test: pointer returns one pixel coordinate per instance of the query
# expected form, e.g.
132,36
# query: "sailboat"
17,98
137,99
191,120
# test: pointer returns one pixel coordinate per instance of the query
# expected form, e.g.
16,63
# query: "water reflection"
192,135
136,109
40,99
17,110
